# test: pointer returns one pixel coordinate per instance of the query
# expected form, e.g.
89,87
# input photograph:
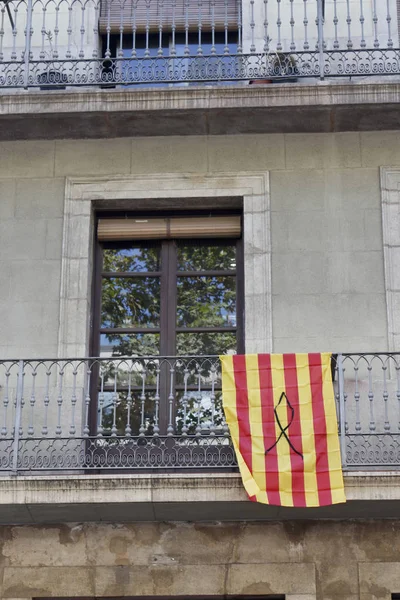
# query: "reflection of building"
191,219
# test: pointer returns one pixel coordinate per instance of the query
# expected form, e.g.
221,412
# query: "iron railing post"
18,411
342,408
27,54
320,25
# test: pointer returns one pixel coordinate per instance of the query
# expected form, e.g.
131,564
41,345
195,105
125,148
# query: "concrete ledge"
277,108
186,497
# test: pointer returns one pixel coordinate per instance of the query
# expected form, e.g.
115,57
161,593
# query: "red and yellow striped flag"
280,409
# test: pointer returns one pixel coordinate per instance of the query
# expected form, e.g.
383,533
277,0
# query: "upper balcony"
133,57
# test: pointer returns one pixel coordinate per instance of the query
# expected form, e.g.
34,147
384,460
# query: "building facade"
159,207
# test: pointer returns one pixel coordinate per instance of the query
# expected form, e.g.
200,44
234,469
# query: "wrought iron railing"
57,43
166,413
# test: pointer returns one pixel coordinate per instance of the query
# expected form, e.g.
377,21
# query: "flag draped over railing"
281,413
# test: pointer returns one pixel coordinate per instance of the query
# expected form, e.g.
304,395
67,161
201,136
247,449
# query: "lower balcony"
147,414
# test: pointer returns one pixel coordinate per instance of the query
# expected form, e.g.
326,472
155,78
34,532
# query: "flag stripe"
307,427
294,431
242,410
283,449
268,419
321,443
334,457
256,426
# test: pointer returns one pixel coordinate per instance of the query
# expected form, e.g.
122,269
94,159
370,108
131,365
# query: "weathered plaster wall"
327,255
323,560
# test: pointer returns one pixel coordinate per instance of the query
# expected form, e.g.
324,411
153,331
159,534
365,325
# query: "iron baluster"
306,45
385,398
375,22
160,30
363,43
342,409
357,400
279,25
18,416
156,428
320,44
128,428
372,425
252,26
185,399
226,33
68,54
86,429
170,427
389,24
6,401
142,428
212,400
45,429
348,21
335,24
213,49
60,400
32,401
100,408
266,37
72,429
27,53
239,27
292,22
147,49
199,398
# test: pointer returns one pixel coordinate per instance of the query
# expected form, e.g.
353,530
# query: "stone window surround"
390,202
84,194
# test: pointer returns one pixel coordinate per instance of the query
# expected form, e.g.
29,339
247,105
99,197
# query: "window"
169,295
165,287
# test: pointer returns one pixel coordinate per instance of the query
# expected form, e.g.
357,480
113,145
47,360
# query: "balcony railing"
49,44
165,413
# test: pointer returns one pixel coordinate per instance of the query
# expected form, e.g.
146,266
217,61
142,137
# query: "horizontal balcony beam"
285,108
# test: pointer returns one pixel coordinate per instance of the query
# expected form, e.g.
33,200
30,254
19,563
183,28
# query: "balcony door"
166,296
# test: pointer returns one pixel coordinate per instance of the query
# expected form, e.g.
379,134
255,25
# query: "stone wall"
304,560
327,256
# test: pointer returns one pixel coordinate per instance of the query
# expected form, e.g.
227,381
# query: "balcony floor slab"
177,497
212,110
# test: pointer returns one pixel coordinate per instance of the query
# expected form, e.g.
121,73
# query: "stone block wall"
327,285
303,560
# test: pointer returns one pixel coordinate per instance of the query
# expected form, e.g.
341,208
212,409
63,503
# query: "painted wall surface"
304,560
327,256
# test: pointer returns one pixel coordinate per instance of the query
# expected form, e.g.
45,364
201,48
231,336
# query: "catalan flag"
280,409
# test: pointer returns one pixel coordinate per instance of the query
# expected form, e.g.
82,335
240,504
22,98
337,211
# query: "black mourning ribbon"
284,429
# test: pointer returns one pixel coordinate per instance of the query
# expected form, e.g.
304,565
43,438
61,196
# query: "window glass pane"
138,344
137,259
130,302
125,418
206,258
205,343
199,411
206,302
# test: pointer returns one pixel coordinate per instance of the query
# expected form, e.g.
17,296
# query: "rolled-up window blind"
176,227
138,15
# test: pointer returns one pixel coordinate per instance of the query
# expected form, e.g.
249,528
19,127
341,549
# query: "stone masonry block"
47,581
380,148
379,580
349,189
50,546
246,152
322,150
27,159
297,190
169,154
7,198
255,579
23,240
92,157
39,198
37,281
